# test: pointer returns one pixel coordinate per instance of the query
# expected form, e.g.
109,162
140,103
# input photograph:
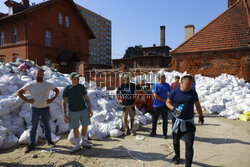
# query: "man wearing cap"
76,96
39,93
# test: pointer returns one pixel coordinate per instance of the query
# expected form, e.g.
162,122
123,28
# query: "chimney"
189,31
231,2
163,35
25,3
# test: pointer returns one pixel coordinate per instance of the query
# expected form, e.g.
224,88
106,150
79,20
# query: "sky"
137,22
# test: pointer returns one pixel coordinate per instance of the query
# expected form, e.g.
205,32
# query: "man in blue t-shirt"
181,102
160,91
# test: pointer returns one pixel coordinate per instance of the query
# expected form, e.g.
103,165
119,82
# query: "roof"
44,4
230,30
148,56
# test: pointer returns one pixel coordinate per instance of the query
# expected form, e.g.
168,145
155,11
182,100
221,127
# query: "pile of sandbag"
15,115
225,95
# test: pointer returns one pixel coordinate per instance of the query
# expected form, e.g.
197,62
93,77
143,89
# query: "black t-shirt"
126,92
187,99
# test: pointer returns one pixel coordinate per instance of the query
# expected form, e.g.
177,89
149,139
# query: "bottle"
179,110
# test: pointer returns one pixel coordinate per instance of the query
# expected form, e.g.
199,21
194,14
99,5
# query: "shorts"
128,109
75,117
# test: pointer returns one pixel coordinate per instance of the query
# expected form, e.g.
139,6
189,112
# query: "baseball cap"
74,75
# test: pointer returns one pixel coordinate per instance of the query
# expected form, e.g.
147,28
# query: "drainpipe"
26,40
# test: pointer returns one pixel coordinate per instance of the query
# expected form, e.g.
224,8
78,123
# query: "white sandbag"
104,128
98,117
115,133
53,106
148,117
4,111
26,107
93,132
18,121
27,119
63,128
9,142
24,138
12,88
6,121
71,137
26,78
56,114
3,131
1,141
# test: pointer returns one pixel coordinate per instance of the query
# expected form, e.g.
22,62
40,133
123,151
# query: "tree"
133,52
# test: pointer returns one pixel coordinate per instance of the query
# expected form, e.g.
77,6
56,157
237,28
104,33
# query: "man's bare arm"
169,104
20,93
157,97
198,108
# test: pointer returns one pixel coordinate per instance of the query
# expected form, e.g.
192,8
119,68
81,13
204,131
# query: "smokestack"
163,35
231,2
189,31
25,3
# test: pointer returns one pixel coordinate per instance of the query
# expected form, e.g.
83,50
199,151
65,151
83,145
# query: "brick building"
153,57
100,48
222,46
53,31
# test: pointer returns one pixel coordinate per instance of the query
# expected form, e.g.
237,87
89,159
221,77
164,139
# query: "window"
60,19
47,39
15,35
2,38
14,59
2,60
67,21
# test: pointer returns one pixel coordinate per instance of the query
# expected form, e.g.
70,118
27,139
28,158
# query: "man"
39,93
176,83
193,83
181,102
76,96
127,91
160,92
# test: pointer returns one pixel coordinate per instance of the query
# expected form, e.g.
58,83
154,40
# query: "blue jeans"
44,113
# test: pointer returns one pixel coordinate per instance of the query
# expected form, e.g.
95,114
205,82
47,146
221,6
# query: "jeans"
44,113
156,113
189,141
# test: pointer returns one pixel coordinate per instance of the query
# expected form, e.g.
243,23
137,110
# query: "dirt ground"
219,142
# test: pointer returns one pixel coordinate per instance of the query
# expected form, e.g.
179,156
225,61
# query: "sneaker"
133,133
152,134
51,144
28,149
76,148
164,136
176,159
85,144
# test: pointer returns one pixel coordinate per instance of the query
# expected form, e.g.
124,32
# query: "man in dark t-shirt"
76,96
181,102
126,92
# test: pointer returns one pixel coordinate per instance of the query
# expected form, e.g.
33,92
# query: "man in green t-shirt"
76,96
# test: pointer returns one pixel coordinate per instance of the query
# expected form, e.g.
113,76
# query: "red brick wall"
213,64
10,50
62,38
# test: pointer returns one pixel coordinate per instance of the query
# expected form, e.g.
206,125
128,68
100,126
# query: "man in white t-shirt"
39,94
